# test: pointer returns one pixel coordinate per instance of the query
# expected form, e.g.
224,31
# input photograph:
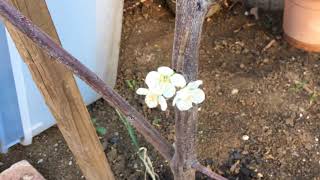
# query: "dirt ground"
260,119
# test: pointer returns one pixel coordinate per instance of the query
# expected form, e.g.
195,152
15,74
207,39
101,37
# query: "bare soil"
264,95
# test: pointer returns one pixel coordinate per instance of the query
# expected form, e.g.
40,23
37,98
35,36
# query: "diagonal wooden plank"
61,93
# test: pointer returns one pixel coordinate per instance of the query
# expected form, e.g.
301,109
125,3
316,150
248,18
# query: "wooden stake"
61,93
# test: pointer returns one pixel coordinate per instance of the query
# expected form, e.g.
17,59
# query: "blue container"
11,130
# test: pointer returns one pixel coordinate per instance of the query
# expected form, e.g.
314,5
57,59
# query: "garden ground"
260,119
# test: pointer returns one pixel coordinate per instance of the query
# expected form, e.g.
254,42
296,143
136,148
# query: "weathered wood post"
61,93
190,15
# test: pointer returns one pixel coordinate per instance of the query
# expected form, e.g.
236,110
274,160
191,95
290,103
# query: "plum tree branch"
42,40
190,15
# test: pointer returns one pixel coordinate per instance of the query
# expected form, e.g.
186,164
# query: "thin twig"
200,168
269,45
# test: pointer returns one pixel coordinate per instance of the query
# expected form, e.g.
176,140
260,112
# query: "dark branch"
204,170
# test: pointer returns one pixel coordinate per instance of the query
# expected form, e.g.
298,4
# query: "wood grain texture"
61,93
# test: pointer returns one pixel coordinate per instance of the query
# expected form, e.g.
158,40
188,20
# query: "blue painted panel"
11,130
77,36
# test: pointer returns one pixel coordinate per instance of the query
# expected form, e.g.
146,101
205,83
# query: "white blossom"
153,98
165,80
162,85
189,95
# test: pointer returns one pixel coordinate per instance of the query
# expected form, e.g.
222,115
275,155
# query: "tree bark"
190,15
61,94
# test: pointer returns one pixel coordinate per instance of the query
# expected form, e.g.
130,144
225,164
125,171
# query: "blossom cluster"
164,84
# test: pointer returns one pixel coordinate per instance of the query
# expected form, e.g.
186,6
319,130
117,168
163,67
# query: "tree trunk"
190,15
61,93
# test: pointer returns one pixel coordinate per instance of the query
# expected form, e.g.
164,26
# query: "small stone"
316,139
295,154
266,60
242,66
245,152
135,166
40,161
290,121
260,175
234,91
56,145
70,163
1,163
245,137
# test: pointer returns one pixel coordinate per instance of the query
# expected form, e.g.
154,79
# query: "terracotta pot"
301,24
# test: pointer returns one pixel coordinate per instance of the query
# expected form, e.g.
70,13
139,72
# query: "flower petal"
175,99
181,94
198,96
157,90
166,71
184,105
142,91
152,79
163,103
151,100
178,80
194,84
169,91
